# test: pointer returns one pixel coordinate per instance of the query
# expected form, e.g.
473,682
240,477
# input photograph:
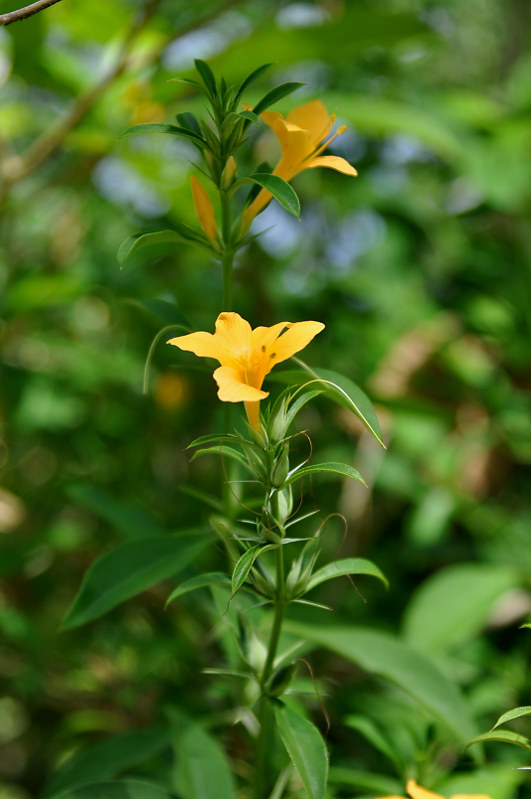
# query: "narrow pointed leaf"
275,95
387,656
255,74
338,468
306,749
245,564
280,190
515,713
129,569
202,771
106,759
189,122
171,238
164,127
207,76
223,451
343,567
201,581
122,789
503,736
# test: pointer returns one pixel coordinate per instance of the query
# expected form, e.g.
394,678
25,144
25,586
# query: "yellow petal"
333,162
416,792
296,143
252,410
313,117
263,337
233,333
295,339
202,344
232,388
204,209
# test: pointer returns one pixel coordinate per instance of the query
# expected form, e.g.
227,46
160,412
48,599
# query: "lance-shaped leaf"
122,789
129,569
344,567
189,122
387,656
163,239
337,468
201,581
278,187
515,713
165,127
248,80
224,451
503,736
275,95
306,749
207,76
245,564
202,770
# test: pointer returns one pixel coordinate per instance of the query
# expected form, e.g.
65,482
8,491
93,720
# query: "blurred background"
420,270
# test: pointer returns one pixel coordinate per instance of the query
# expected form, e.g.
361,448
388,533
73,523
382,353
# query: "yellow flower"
204,210
417,792
300,134
246,355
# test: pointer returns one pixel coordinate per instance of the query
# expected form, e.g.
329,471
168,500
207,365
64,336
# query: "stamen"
263,348
273,355
326,144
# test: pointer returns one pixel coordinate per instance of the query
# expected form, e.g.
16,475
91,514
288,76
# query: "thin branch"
27,11
17,167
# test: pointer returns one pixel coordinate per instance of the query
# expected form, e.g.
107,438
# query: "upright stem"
263,781
227,258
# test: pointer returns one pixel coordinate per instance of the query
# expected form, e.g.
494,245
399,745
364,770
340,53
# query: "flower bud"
280,468
281,679
229,173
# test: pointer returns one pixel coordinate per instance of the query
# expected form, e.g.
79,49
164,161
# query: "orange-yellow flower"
204,210
417,792
300,134
246,355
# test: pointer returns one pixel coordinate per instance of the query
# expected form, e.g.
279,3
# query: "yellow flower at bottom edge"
300,134
417,792
246,355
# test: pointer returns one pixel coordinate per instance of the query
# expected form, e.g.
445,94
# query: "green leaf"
387,656
202,770
129,569
207,76
337,468
245,564
250,79
306,749
467,592
156,238
372,733
107,758
515,713
201,581
223,451
164,127
130,519
280,190
275,95
503,736
189,121
125,789
338,388
343,567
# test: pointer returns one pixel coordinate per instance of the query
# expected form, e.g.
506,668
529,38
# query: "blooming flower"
204,209
300,134
417,792
246,355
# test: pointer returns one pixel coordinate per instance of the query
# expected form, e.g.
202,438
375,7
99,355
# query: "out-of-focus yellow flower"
416,791
300,134
204,210
246,355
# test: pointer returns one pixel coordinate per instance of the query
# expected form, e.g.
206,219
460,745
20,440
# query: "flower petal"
233,333
202,344
296,143
417,792
313,117
333,162
204,209
296,338
231,387
265,336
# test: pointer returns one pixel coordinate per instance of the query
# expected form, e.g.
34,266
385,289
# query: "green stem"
227,257
263,779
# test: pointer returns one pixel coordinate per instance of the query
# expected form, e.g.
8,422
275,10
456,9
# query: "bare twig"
17,167
27,11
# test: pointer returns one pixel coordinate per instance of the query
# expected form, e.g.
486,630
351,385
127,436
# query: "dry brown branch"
27,11
16,167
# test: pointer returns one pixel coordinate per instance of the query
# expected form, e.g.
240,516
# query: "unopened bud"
229,173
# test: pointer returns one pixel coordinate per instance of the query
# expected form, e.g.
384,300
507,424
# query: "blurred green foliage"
419,269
